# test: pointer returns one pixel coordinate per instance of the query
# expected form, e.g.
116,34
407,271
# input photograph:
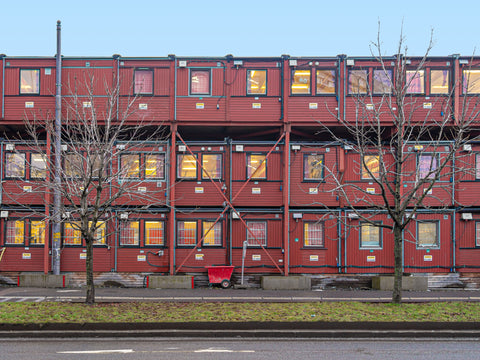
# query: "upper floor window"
427,166
370,236
257,233
130,165
415,80
325,82
301,81
439,82
38,166
256,82
256,166
471,81
477,233
72,234
186,167
477,166
129,233
428,234
313,234
155,166
154,233
199,82
29,81
382,81
212,165
212,233
357,82
73,165
313,167
143,81
370,167
15,232
15,165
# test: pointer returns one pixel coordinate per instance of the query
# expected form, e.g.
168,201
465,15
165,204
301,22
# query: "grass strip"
133,312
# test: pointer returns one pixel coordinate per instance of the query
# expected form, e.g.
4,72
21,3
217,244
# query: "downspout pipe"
339,231
3,85
58,165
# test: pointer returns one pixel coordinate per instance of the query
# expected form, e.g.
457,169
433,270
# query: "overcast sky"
238,27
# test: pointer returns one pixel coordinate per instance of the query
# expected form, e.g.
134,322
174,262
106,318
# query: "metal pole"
58,165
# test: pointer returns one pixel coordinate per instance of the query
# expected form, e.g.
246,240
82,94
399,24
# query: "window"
256,82
143,82
357,82
187,167
439,81
415,81
471,81
199,82
73,165
154,233
72,234
212,236
15,232
256,166
130,165
99,233
477,166
300,82
382,81
313,167
29,81
427,165
257,233
325,82
186,233
371,167
129,233
37,232
477,233
370,236
38,166
212,165
427,234
313,234
155,166
15,165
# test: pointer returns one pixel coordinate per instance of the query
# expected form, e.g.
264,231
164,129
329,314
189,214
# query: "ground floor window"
370,236
212,233
428,234
71,233
257,233
154,233
313,234
129,233
186,233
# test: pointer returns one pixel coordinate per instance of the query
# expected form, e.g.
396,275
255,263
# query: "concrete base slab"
171,282
43,280
286,282
412,283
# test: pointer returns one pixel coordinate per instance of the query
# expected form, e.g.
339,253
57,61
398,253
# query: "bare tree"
388,136
101,140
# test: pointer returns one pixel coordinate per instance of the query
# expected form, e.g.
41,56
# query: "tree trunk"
90,298
397,253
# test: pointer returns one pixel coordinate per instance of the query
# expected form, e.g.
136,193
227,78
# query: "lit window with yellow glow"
427,234
256,166
15,165
15,232
439,82
72,234
187,167
415,81
130,165
371,167
37,232
212,165
325,82
313,234
370,236
29,81
471,81
129,233
186,233
212,234
38,166
154,233
99,238
256,82
155,166
199,82
301,81
357,82
313,167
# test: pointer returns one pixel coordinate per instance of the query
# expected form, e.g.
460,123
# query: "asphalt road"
285,349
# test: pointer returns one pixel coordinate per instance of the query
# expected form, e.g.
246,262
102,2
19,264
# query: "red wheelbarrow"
220,275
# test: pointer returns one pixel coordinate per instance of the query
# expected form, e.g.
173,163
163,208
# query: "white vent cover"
352,216
292,62
467,216
4,214
350,62
182,148
467,147
121,147
235,215
182,63
9,147
297,215
296,147
124,216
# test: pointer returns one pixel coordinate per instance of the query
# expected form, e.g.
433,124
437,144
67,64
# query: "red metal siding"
17,111
467,253
243,110
312,110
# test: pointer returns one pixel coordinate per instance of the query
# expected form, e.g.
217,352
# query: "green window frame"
370,236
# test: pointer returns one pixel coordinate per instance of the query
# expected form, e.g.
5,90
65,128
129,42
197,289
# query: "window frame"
190,77
433,155
30,233
37,93
466,84
265,162
75,231
6,232
144,172
146,232
14,153
416,72
123,227
145,70
248,236
103,230
316,246
292,83
35,169
364,174
332,70
477,166
179,168
177,233
477,234
138,171
204,175
248,81
322,170
350,87
448,81
220,225
380,236
437,229
382,71
70,172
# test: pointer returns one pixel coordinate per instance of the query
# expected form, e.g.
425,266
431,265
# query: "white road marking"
217,350
21,298
120,351
67,291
